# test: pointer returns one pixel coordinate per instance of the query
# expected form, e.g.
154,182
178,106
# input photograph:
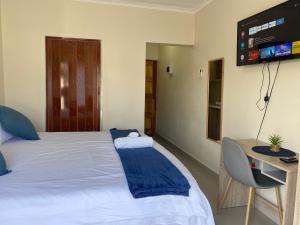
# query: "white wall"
182,99
241,84
178,98
1,64
152,51
123,31
216,39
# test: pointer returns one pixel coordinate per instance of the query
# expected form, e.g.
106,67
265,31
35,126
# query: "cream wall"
241,84
123,32
216,38
182,99
152,51
1,64
178,105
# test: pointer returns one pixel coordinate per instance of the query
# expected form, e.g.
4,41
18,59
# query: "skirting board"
186,153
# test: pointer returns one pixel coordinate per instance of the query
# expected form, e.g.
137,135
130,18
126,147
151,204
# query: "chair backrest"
237,163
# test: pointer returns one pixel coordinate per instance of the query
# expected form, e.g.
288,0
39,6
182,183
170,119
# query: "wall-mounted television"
271,35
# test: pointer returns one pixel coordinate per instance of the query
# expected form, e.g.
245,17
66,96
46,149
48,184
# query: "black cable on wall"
268,94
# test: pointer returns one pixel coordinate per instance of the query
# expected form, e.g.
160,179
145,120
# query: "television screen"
271,35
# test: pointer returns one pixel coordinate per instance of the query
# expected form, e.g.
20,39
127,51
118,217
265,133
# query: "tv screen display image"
271,35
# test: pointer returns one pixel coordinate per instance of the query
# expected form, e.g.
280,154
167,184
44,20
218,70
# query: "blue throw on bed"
148,172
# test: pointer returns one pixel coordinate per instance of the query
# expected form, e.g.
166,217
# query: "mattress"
78,179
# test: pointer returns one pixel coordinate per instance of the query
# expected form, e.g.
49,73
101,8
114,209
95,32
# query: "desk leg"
279,204
288,212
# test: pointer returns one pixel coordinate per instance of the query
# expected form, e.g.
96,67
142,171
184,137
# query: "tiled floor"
208,182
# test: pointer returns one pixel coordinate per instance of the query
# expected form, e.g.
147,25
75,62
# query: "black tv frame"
268,44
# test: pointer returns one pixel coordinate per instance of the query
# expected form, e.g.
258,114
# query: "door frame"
222,98
155,72
49,75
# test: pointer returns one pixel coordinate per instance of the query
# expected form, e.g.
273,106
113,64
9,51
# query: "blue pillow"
17,124
3,169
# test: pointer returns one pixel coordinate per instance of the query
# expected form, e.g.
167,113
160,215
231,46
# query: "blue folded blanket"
150,173
116,133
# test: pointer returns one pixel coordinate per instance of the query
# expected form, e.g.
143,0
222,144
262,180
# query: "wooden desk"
238,193
297,209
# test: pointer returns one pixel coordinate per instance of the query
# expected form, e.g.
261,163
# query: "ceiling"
170,5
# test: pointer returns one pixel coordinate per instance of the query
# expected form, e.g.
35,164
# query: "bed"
78,179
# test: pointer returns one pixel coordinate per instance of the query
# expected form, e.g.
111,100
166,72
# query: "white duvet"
78,179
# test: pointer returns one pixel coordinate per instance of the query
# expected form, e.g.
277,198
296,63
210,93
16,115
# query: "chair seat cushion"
263,181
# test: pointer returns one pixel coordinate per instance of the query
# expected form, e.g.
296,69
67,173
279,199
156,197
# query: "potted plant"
276,142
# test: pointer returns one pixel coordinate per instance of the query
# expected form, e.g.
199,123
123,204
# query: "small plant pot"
275,148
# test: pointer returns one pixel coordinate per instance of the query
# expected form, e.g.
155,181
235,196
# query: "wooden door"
150,97
73,84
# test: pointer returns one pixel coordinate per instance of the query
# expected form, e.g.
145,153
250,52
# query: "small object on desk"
276,142
289,160
265,150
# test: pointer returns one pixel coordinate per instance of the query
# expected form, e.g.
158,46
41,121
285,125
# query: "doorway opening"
167,71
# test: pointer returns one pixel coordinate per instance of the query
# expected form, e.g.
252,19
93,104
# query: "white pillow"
4,136
133,142
133,134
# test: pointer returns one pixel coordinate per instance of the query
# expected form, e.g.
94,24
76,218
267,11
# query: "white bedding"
78,179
